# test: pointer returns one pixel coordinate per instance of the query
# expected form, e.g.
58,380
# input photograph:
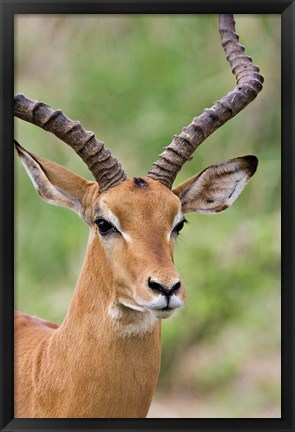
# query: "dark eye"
179,227
104,227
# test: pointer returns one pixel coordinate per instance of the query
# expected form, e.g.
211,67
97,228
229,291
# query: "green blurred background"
136,81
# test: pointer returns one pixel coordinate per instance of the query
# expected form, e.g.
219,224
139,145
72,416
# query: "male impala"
103,360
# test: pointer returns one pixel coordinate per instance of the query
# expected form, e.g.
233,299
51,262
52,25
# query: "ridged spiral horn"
249,84
106,170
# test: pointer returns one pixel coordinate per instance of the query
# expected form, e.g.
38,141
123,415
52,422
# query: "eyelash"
179,227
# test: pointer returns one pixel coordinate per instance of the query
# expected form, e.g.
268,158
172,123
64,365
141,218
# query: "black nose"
163,289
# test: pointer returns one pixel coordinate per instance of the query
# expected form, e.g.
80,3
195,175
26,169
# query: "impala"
104,359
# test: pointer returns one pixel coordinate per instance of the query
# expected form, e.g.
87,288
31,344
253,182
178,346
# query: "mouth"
165,311
160,307
160,313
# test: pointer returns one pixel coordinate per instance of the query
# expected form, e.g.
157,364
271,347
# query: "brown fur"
89,367
104,359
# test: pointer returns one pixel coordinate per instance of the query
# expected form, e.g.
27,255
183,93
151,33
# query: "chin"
163,313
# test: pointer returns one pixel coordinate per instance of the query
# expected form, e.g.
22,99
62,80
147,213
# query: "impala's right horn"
249,84
106,170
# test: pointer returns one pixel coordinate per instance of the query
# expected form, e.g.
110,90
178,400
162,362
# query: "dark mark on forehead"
140,182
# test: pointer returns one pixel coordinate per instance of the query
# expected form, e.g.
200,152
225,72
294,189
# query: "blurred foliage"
136,81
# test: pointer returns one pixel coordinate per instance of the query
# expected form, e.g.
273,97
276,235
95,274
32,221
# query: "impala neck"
102,358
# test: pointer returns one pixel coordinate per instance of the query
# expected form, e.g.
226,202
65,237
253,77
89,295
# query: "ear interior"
54,183
217,187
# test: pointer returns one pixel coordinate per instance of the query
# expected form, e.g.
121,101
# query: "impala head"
135,221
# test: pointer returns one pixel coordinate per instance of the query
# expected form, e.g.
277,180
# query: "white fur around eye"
178,218
112,218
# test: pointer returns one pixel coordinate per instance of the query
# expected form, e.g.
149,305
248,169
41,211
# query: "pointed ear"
54,183
217,187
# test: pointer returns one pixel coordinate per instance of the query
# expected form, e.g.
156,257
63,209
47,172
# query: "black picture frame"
8,9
